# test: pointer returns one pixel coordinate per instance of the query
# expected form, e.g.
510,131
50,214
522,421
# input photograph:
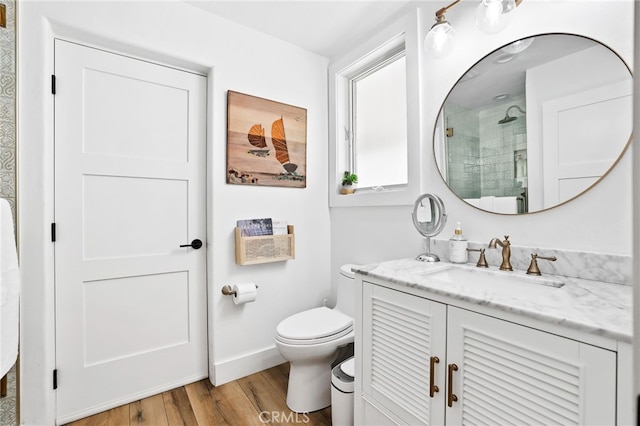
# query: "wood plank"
115,416
234,405
267,400
149,411
221,405
203,404
178,408
278,376
258,399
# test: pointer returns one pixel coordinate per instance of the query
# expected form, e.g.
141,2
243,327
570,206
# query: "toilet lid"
314,324
349,367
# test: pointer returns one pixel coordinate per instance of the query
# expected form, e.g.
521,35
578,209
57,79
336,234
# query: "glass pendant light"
493,16
440,39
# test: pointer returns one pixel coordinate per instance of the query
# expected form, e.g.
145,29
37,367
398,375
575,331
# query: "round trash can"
342,393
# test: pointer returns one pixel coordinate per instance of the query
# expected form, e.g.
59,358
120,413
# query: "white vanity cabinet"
489,371
400,334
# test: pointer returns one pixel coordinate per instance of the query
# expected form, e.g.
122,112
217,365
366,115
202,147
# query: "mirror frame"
441,219
589,187
435,202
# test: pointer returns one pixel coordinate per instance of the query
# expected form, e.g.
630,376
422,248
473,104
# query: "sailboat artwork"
257,139
279,140
253,158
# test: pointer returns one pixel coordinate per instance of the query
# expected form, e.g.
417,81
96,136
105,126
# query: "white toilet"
309,340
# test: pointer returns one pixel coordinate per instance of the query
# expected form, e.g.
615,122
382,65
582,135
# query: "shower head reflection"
507,118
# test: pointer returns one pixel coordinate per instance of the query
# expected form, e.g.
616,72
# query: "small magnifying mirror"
429,218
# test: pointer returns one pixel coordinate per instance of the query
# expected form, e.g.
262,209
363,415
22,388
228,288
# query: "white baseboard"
236,368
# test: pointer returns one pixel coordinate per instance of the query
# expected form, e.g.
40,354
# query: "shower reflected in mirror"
508,118
535,124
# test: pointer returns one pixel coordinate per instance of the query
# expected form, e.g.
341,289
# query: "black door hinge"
53,84
55,379
53,232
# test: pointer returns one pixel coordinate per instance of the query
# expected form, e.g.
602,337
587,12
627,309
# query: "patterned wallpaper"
8,107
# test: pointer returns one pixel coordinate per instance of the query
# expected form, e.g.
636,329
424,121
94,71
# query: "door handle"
195,244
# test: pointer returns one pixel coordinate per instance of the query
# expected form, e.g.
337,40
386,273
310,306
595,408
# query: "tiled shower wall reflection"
498,144
8,107
463,152
481,152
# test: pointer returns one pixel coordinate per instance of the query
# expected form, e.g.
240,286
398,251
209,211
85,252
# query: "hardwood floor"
258,399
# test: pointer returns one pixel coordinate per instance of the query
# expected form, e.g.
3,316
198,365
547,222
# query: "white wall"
598,221
234,58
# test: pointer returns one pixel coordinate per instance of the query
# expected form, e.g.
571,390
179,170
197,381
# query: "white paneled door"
130,170
583,135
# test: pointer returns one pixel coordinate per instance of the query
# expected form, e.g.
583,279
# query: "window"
377,126
375,117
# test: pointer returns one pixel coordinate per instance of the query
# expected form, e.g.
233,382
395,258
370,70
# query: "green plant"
349,179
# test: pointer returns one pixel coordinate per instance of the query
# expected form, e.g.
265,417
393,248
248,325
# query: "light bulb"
493,16
518,46
439,40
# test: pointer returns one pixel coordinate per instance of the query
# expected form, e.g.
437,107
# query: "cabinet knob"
451,397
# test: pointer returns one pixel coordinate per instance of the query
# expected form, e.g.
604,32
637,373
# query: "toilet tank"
345,298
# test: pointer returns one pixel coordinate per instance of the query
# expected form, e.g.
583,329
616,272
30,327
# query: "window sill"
388,196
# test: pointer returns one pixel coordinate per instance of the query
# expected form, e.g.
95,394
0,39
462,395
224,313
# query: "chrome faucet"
506,252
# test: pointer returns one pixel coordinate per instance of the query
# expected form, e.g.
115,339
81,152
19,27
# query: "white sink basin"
495,280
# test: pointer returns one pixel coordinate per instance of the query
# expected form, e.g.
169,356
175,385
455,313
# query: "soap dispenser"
458,246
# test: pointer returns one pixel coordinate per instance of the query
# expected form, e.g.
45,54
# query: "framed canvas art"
266,142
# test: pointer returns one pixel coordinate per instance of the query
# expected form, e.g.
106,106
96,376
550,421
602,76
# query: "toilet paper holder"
227,290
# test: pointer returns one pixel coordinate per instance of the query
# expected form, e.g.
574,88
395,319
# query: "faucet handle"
482,260
533,267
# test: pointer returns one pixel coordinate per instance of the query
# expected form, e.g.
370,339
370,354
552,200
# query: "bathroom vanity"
438,343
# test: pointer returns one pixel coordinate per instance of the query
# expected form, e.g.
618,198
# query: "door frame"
36,251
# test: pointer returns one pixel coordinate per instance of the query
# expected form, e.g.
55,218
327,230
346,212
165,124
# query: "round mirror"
535,123
429,218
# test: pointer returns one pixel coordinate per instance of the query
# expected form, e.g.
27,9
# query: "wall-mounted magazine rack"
265,248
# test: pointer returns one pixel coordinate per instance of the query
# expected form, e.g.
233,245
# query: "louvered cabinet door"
401,333
510,374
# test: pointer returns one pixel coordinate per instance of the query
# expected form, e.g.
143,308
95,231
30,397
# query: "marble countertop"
594,307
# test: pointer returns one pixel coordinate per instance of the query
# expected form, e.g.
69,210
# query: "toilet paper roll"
244,293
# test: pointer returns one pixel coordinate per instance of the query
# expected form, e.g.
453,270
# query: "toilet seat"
314,326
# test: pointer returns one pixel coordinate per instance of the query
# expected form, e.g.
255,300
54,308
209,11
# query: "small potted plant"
349,183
